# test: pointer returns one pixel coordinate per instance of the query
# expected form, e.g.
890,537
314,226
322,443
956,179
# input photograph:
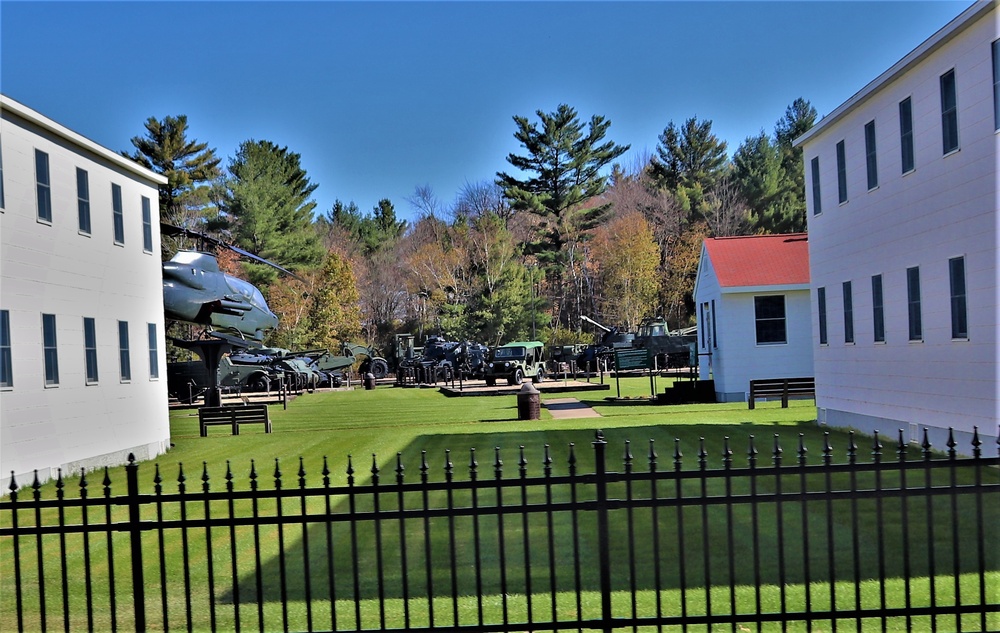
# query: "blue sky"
381,97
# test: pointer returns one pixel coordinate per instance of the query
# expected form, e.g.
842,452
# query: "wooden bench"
781,387
233,417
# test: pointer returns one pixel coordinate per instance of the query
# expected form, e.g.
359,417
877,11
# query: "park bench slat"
233,417
783,387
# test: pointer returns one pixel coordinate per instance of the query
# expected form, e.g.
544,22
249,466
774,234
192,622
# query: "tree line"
571,230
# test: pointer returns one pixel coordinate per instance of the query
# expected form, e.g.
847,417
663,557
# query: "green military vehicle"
514,362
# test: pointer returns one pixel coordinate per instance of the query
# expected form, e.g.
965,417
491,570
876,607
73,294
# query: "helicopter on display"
195,290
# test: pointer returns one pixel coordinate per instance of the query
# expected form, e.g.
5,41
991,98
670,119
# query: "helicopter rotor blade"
172,230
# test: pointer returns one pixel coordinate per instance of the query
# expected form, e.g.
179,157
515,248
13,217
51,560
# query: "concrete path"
568,409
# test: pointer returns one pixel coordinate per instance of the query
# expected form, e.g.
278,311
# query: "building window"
50,350
841,173
959,310
6,364
996,95
870,159
119,215
83,200
90,349
42,188
906,134
147,226
878,311
154,355
949,112
848,313
913,303
125,362
1,176
817,204
769,312
704,325
715,335
821,310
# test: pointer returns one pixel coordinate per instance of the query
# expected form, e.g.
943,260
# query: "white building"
82,369
901,187
752,296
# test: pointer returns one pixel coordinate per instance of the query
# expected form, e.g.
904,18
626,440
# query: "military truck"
669,350
516,361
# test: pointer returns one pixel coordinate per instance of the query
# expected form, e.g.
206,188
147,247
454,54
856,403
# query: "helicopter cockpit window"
249,291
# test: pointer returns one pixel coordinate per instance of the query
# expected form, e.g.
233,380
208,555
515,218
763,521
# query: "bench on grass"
781,387
233,417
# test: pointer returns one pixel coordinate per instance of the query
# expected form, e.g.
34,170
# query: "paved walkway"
569,408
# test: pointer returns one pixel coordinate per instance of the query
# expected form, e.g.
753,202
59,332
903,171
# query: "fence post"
603,538
135,536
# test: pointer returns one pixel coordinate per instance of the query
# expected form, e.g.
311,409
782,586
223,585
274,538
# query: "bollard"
369,381
529,402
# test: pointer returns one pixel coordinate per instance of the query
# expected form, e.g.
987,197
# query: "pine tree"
187,165
689,162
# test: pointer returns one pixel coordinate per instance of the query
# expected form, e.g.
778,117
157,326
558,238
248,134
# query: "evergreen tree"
268,208
187,165
689,162
799,117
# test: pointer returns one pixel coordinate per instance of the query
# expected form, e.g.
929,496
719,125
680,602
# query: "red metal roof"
760,260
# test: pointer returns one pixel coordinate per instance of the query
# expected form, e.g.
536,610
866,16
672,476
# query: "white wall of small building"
51,268
945,208
730,349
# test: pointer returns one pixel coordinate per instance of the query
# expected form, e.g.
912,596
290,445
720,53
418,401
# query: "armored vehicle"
514,362
669,350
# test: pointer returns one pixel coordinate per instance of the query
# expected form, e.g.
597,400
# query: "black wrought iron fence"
904,539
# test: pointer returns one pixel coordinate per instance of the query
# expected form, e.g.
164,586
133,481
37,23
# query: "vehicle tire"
491,381
379,368
258,383
517,378
540,376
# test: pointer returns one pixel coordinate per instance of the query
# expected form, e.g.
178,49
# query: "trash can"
369,381
529,402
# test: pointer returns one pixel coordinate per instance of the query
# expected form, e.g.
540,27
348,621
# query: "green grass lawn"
412,425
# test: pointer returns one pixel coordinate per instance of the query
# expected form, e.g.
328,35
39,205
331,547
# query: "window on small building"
906,134
848,313
6,364
821,310
769,312
949,112
878,311
154,355
147,226
870,157
119,214
841,173
90,349
43,191
913,303
817,199
959,310
715,335
124,359
50,350
83,200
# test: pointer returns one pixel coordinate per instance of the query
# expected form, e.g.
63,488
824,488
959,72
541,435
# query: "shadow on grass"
680,543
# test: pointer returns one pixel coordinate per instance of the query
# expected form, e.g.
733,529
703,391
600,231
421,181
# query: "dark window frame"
821,311
878,310
959,299
767,322
83,201
147,226
124,353
841,173
154,351
915,319
6,357
43,187
907,156
996,88
50,350
871,155
848,291
118,213
817,198
90,350
949,112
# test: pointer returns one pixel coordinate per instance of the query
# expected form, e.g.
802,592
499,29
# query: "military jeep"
516,361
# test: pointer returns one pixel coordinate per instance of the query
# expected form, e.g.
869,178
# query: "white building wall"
946,207
54,269
739,359
706,291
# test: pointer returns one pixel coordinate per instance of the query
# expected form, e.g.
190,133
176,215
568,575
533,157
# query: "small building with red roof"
752,298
